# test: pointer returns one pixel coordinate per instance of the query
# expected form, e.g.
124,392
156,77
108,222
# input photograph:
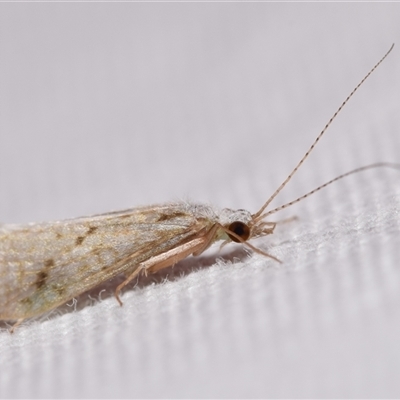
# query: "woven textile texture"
107,106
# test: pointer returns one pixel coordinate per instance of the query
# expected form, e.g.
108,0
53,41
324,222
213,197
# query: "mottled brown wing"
45,265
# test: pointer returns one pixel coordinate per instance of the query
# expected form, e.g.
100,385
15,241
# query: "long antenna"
354,171
258,214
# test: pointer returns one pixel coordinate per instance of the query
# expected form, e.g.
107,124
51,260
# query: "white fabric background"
106,106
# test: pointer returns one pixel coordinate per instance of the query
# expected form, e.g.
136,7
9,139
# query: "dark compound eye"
240,229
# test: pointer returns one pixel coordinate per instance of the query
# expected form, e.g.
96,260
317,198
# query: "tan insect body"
44,265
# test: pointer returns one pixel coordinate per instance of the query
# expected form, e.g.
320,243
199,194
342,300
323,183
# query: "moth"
43,265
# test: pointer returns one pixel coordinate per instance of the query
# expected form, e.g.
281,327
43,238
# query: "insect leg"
286,220
19,322
164,260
